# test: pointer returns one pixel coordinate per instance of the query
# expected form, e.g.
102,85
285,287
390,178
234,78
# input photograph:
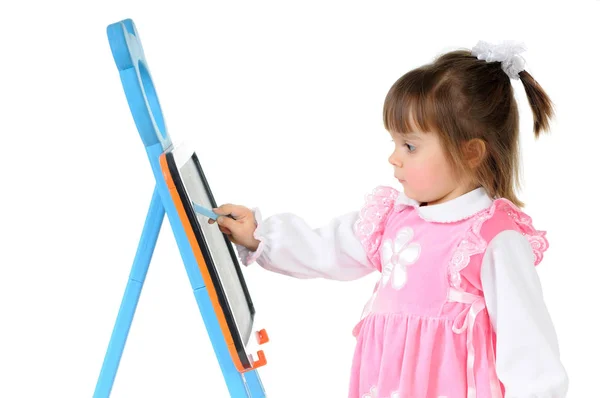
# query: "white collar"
453,210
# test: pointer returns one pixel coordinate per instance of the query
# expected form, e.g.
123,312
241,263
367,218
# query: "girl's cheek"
419,177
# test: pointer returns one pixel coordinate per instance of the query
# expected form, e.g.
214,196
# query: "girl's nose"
395,160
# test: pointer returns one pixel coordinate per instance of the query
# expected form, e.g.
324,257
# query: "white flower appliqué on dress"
396,255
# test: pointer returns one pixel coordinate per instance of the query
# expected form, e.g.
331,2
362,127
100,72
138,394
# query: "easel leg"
131,297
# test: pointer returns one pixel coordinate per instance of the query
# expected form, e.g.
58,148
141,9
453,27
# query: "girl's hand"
240,227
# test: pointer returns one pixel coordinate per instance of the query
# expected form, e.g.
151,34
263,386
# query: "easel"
143,102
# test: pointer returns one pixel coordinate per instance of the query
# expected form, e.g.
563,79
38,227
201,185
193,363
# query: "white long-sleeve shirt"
527,353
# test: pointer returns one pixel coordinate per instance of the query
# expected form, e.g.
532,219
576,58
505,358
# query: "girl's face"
422,168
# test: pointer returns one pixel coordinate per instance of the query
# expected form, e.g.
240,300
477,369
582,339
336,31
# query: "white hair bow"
507,53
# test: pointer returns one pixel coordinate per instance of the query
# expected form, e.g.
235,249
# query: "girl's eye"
411,148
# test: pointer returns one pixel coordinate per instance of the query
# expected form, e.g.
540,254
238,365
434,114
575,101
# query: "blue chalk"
204,211
207,212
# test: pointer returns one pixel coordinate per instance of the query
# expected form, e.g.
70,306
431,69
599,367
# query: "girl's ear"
474,151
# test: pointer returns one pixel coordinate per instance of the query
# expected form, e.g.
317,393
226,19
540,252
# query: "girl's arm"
289,246
528,360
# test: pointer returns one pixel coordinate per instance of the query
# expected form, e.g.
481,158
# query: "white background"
283,104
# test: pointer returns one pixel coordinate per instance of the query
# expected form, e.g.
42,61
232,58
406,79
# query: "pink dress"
426,333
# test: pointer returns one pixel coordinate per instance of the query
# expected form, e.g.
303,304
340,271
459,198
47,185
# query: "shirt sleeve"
289,246
528,360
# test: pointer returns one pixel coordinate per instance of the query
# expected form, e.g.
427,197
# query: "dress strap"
476,304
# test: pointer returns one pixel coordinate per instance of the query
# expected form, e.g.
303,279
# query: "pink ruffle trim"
474,243
370,224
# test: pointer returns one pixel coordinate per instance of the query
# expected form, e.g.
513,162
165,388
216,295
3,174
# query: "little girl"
458,311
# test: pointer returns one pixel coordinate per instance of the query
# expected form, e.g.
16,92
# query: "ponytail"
540,103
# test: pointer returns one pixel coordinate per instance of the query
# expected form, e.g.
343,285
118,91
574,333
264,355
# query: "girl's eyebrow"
411,136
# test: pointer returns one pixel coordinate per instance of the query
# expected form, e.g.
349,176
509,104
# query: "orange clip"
261,360
262,337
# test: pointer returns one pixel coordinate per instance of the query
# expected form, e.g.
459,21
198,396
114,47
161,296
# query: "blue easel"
145,108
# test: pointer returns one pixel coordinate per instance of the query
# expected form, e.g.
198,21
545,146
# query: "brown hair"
462,98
